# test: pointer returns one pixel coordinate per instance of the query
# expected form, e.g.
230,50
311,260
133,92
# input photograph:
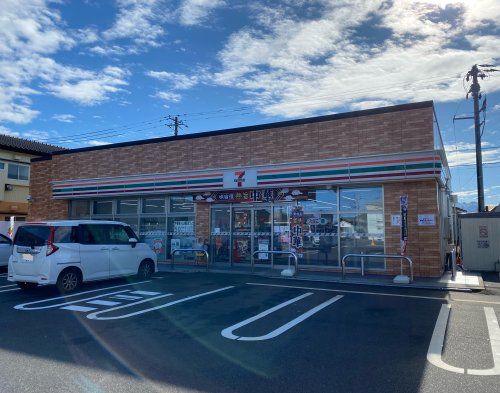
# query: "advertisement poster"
297,230
158,246
263,246
175,244
403,202
259,195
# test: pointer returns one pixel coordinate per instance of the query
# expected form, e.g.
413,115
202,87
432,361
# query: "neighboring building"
15,156
244,189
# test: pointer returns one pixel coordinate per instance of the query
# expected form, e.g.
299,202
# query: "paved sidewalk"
463,280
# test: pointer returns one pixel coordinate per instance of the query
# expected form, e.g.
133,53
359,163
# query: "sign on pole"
296,230
403,203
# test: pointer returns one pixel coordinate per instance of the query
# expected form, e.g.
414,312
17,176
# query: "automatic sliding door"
242,235
220,235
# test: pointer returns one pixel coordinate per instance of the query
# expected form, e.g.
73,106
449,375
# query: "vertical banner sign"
403,203
296,230
10,231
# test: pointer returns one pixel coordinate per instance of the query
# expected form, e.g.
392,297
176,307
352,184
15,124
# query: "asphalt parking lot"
237,333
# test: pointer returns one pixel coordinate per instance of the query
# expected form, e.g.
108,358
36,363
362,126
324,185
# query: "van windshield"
32,236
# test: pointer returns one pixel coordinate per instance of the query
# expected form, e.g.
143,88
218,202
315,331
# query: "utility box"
480,240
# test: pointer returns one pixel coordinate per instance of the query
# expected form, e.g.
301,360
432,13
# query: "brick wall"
393,132
42,206
423,241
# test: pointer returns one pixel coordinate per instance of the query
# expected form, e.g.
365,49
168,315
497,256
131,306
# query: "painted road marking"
228,332
78,308
126,297
9,290
434,353
10,285
95,315
443,299
145,293
446,298
24,305
103,303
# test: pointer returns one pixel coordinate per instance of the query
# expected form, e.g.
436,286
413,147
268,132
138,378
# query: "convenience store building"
341,176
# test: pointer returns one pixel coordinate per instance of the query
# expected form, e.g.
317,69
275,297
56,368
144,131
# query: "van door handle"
115,248
104,248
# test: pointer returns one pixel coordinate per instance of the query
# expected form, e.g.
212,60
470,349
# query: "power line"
176,124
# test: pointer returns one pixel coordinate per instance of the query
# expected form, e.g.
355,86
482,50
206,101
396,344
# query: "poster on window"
263,246
403,202
297,230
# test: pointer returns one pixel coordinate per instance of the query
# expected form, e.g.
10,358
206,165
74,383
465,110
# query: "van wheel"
69,280
26,286
146,269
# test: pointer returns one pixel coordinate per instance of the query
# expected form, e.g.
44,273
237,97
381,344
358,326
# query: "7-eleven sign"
240,178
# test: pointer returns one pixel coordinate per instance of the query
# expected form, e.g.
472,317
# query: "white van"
67,253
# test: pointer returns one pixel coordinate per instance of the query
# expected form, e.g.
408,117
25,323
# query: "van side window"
65,234
118,235
94,234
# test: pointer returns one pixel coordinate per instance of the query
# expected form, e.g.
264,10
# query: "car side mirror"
133,242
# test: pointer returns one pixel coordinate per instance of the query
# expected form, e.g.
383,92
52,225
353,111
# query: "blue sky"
90,72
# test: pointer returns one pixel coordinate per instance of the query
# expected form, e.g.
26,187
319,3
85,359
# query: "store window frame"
337,213
382,212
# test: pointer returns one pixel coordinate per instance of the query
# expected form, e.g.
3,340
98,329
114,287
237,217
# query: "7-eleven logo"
240,179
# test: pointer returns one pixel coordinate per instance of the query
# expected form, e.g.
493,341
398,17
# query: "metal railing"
294,255
188,250
363,256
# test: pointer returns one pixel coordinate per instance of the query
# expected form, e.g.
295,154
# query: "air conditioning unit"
9,187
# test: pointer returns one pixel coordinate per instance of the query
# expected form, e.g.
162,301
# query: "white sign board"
240,178
396,220
426,220
183,227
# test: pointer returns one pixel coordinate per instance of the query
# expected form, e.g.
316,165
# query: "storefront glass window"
361,199
320,235
102,207
152,231
220,233
79,209
281,232
127,206
181,234
153,205
362,225
133,221
181,204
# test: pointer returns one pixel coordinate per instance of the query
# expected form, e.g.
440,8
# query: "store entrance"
251,232
237,231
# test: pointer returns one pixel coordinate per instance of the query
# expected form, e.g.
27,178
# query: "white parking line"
145,293
434,353
10,285
23,306
9,290
228,332
78,308
103,303
95,315
349,291
126,297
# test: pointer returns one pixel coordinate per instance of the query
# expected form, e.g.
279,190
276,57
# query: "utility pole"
176,125
475,89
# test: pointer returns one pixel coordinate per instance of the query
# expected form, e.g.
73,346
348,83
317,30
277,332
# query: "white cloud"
464,153
89,87
295,65
7,131
64,117
97,143
194,12
139,21
178,81
168,96
496,108
29,36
